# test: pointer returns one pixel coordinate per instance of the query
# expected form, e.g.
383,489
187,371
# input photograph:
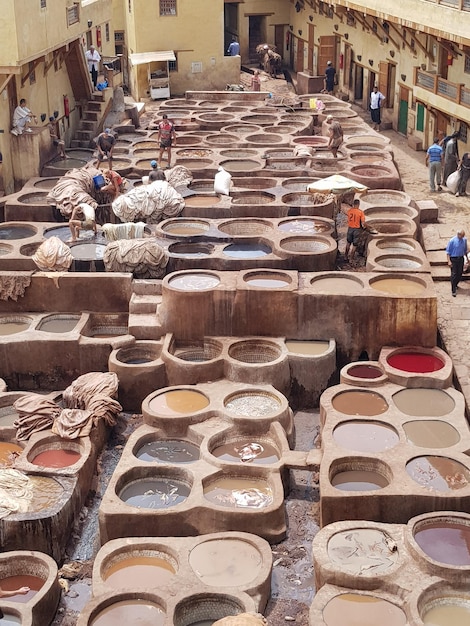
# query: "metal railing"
455,92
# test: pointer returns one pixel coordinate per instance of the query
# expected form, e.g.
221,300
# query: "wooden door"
279,38
327,51
347,69
384,81
299,57
310,47
443,67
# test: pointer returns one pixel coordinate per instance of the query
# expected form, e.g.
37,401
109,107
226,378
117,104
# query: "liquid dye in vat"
365,436
424,402
241,165
445,542
194,282
246,251
416,362
337,285
238,493
168,451
308,348
365,403
438,473
16,232
185,229
353,609
204,622
155,493
137,361
11,620
225,562
56,458
448,612
431,433
359,480
201,201
252,452
398,286
253,405
133,612
140,570
304,226
58,325
8,416
369,372
11,328
268,283
46,493
362,551
10,583
178,402
69,163
8,452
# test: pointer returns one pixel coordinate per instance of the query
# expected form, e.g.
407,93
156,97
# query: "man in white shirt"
93,59
376,100
22,116
88,222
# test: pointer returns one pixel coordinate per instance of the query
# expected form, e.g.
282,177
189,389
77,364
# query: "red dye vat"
56,458
416,362
365,371
16,582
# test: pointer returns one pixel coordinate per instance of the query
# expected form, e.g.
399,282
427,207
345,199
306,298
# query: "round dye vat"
88,251
140,570
304,226
241,165
11,583
252,404
8,452
190,250
46,493
69,163
11,328
352,609
56,458
253,452
135,612
17,232
448,611
416,362
445,541
194,282
203,201
8,415
136,361
365,403
424,402
365,436
184,228
155,493
398,286
337,285
225,562
369,372
168,451
359,480
438,473
431,434
362,551
11,620
245,493
178,402
246,251
58,324
307,348
268,283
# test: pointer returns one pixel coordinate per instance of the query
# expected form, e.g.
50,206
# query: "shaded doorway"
358,82
256,34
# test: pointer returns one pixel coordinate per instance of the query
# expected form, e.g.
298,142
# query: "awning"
150,57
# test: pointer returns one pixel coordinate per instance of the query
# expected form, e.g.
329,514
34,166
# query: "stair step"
144,303
144,326
87,125
90,115
147,287
84,135
437,257
97,96
92,105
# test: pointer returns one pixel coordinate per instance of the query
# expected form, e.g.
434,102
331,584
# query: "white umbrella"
336,184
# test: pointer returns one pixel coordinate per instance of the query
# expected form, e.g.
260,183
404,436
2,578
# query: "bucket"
98,181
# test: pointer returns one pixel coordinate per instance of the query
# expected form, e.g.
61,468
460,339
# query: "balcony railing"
455,92
462,5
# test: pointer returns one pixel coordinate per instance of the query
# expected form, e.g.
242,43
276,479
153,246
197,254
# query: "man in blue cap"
154,164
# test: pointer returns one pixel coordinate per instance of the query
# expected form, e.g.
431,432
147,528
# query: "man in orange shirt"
356,225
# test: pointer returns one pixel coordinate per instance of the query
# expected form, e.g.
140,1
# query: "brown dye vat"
299,199
438,473
225,562
359,480
253,198
195,164
352,609
384,197
130,612
398,286
168,451
16,582
8,416
337,284
201,200
366,158
245,227
8,452
58,325
424,402
365,371
365,403
33,198
194,282
445,542
178,402
365,436
308,348
190,250
448,612
11,328
238,154
362,551
185,228
265,138
46,493
47,183
247,451
431,434
252,405
56,458
140,570
241,165
194,152
155,493
304,226
245,493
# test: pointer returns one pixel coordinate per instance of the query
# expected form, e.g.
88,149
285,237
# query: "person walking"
335,132
456,251
234,48
166,137
451,156
93,58
356,225
434,158
376,102
464,169
330,76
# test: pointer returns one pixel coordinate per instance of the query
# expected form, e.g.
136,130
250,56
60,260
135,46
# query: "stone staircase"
92,121
143,309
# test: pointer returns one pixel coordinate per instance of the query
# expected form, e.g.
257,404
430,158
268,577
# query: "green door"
403,117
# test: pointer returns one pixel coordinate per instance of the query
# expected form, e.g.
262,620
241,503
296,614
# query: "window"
167,7
106,30
73,14
466,67
463,132
43,4
173,65
129,6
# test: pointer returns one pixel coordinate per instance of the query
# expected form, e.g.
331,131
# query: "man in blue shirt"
434,158
234,48
456,252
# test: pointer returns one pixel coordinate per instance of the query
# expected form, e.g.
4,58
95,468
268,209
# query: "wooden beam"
365,24
419,44
55,56
5,82
393,27
387,34
450,49
35,64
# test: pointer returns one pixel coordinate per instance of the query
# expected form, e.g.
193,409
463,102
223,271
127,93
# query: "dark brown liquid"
251,452
16,582
431,433
365,403
365,436
141,570
155,493
225,562
352,609
57,458
168,451
445,542
130,612
359,480
239,493
424,402
438,473
365,371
